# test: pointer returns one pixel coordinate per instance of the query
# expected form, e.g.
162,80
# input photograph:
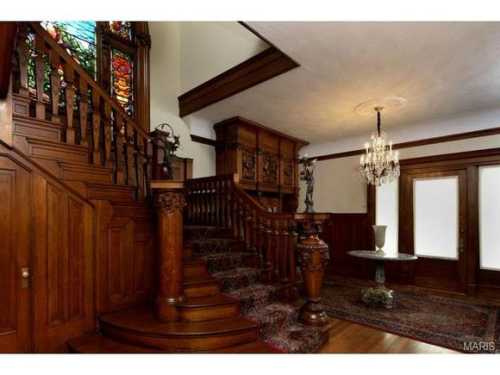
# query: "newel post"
313,257
169,204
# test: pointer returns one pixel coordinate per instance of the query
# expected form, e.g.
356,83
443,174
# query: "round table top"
371,254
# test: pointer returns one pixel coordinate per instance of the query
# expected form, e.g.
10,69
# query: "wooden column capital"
169,201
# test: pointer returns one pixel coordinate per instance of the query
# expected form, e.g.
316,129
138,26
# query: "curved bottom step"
140,327
93,344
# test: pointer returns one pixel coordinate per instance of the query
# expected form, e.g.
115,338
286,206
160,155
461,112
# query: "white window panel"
489,217
435,210
387,213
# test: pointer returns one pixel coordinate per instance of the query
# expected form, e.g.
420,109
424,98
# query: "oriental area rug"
445,321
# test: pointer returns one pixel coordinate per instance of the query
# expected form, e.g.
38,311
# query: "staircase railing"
221,202
65,94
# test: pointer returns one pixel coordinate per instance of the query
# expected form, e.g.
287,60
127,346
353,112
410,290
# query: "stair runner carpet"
235,268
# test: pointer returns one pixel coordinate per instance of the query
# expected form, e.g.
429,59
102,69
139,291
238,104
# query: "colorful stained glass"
122,75
79,40
121,28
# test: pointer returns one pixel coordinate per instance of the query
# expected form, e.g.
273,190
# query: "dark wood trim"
261,37
420,142
265,65
205,141
468,157
8,32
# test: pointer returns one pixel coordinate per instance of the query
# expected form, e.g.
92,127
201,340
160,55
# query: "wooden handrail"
221,202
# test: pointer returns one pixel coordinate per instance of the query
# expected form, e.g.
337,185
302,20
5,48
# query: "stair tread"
204,301
80,148
142,320
100,344
199,280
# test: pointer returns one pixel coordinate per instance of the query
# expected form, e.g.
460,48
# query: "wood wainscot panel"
343,233
15,294
63,266
125,256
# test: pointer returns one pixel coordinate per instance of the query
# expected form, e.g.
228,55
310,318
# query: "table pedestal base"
378,296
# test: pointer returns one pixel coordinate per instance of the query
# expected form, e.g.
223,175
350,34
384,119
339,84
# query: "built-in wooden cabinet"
265,160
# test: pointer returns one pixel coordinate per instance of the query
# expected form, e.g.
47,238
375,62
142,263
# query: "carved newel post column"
169,203
313,257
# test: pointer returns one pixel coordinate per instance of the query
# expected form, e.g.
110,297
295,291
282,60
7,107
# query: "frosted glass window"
489,217
387,203
435,210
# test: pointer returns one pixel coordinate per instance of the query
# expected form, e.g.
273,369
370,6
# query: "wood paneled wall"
125,255
48,233
343,233
84,257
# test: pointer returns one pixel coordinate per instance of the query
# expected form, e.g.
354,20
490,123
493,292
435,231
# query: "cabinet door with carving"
15,268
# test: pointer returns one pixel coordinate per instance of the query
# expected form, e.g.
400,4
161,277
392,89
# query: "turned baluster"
107,122
125,151
114,145
118,150
292,267
211,200
23,52
284,241
84,111
268,244
136,161
146,167
55,84
69,93
234,212
247,216
40,106
96,127
217,203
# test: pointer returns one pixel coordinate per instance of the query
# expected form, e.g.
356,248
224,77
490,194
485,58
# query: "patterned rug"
434,319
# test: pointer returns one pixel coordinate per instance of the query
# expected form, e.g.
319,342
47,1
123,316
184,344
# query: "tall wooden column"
169,203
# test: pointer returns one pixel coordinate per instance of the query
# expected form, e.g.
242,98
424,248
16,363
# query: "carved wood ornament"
170,201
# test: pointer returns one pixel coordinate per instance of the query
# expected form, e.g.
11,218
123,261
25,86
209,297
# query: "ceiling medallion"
379,164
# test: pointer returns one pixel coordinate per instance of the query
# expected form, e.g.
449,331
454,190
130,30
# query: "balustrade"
57,89
219,201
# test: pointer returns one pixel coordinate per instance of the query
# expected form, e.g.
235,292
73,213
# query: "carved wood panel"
125,256
14,254
63,281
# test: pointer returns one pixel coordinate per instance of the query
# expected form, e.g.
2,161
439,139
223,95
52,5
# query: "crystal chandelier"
379,164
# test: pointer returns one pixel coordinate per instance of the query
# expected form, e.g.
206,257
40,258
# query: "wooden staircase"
80,136
209,322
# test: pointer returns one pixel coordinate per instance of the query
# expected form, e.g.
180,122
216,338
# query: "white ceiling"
442,69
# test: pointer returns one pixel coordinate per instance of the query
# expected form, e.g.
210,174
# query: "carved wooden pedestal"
313,257
169,203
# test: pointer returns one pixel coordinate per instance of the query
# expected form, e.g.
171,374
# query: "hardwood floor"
347,337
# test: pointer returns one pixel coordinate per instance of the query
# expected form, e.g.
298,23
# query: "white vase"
379,232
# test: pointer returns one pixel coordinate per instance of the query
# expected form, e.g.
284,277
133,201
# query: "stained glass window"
122,85
121,28
79,40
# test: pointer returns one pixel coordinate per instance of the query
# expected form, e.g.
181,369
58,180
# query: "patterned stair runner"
235,268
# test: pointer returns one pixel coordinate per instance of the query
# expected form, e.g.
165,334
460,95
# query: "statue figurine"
307,175
169,143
